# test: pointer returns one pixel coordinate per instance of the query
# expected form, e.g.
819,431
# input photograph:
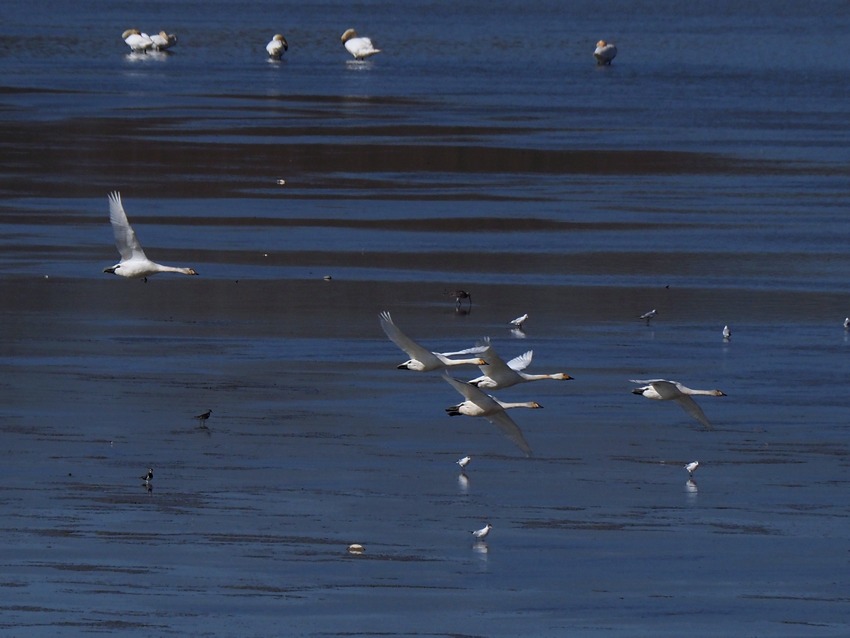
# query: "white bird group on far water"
359,46
142,42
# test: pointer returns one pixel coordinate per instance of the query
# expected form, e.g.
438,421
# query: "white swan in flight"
479,403
134,264
361,48
138,42
663,390
605,52
422,359
498,374
277,47
162,41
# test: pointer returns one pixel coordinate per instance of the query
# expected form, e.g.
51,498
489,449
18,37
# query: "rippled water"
703,174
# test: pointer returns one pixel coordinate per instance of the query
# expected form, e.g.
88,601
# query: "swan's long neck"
523,404
184,271
458,362
691,391
538,377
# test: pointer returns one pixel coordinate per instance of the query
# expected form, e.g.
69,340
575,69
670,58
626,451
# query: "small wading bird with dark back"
459,296
147,478
202,418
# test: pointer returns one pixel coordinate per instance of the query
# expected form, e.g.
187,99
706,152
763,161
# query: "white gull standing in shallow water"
691,468
517,323
138,42
847,323
464,462
648,315
422,359
277,47
498,374
481,534
727,333
605,52
134,264
361,48
663,390
479,403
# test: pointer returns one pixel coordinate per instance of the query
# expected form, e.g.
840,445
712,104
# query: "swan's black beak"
111,269
637,391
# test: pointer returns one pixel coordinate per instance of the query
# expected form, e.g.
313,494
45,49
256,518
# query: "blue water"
703,174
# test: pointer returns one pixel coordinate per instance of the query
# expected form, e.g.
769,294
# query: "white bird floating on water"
517,323
163,41
464,462
356,548
663,390
691,468
479,403
422,359
360,47
498,374
134,264
138,42
605,52
727,333
481,534
277,47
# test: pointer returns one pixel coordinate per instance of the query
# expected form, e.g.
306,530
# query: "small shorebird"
147,478
663,390
847,323
648,315
481,534
459,295
691,468
605,52
202,419
464,462
517,323
727,333
422,359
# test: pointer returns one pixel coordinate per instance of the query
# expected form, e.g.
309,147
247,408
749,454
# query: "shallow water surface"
483,150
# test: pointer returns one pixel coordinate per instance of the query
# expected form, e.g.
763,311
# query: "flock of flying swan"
359,46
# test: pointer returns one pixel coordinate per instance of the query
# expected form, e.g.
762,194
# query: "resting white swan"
605,52
422,359
133,264
498,374
479,403
360,48
138,42
162,40
277,47
663,390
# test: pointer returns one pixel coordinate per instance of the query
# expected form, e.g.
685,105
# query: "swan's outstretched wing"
125,239
413,349
471,393
690,406
665,389
506,424
521,362
478,348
